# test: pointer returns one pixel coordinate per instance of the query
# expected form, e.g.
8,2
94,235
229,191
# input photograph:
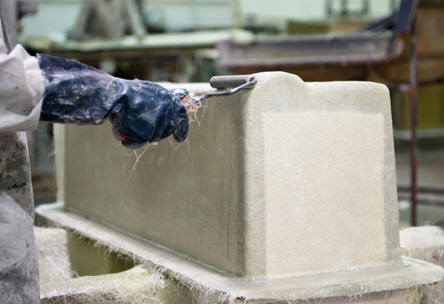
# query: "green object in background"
88,258
307,28
430,108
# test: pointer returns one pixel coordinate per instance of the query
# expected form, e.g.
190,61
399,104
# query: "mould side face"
187,198
320,181
326,219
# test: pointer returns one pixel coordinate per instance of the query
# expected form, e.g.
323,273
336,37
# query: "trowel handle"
230,81
231,84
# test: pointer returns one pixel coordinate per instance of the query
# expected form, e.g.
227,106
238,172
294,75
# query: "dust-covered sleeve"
21,89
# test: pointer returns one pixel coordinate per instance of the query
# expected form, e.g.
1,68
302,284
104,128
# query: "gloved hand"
140,111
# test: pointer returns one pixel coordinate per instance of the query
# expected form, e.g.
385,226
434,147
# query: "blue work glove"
140,111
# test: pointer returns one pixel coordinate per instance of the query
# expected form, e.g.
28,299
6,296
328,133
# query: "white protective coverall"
139,111
21,91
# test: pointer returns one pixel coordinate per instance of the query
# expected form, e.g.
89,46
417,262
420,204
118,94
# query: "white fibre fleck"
136,285
52,249
426,243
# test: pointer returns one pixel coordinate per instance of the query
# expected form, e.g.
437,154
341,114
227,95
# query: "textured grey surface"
18,257
15,177
18,263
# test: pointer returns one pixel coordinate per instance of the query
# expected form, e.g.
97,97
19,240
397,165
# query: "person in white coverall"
58,90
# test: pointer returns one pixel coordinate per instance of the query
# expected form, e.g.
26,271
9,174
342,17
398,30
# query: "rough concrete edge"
218,287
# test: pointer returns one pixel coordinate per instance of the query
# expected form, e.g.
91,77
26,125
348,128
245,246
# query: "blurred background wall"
56,16
181,41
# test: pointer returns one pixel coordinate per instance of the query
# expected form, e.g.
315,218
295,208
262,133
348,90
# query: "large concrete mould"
285,191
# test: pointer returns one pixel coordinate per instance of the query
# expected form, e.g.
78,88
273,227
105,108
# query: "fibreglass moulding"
283,180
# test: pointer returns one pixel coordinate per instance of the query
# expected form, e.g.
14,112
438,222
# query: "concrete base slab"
405,275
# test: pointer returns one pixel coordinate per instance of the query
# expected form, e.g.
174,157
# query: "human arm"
140,111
